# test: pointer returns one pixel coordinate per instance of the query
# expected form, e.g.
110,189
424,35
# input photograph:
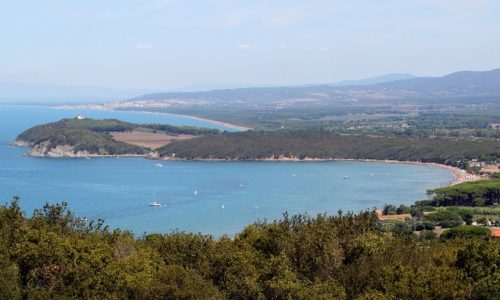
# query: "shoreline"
216,122
459,175
225,124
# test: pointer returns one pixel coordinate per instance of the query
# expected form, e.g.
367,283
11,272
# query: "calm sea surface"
209,197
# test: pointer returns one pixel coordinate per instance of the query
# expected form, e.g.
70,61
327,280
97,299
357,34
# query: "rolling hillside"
460,87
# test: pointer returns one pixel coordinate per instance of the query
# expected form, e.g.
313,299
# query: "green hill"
478,193
328,145
74,137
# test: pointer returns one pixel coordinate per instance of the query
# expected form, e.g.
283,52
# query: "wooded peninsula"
88,137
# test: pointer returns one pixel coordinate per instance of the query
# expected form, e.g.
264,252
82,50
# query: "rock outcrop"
44,150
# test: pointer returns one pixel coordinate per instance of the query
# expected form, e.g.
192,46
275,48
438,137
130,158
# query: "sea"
208,197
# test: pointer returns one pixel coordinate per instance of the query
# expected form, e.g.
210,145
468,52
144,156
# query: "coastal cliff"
44,149
73,138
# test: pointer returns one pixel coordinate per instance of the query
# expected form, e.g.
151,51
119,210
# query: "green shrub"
416,212
403,209
423,203
403,228
477,193
428,235
427,208
444,215
425,225
479,201
450,223
466,231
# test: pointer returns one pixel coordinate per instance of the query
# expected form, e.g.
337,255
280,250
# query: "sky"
171,44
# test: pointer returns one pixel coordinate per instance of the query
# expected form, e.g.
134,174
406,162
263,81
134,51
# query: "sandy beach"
459,175
229,125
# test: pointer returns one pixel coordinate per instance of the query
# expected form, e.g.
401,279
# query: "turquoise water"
229,196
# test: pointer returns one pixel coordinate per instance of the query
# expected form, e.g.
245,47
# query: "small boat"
84,219
345,177
154,203
222,206
158,165
241,184
87,158
195,193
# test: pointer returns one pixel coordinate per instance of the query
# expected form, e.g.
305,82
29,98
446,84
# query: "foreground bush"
55,255
466,231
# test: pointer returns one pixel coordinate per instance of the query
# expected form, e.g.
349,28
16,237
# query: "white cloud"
145,47
246,47
324,49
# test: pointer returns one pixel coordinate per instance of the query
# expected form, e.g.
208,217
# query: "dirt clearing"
148,139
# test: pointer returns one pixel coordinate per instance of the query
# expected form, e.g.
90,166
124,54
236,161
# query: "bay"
208,197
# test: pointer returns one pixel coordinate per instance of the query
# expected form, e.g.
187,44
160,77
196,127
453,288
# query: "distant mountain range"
466,87
374,80
366,81
459,82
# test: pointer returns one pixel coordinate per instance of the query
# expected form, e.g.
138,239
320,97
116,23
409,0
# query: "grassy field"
106,137
149,140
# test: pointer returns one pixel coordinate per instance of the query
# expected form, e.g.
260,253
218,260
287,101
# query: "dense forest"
327,145
54,254
478,193
93,135
46,131
385,120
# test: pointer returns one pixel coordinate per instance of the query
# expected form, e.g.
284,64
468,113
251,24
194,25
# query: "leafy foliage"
466,231
54,254
328,145
479,193
93,135
181,129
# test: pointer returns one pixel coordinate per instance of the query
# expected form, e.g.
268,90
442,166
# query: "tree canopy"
54,254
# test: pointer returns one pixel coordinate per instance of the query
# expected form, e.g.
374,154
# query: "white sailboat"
154,203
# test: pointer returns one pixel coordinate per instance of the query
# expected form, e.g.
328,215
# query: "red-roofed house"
495,233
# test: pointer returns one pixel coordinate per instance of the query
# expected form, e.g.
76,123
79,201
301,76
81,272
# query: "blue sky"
169,44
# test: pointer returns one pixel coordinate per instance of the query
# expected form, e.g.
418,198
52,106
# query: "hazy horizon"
166,45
